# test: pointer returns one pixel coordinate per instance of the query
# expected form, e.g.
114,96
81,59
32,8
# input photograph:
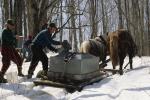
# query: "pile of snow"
133,85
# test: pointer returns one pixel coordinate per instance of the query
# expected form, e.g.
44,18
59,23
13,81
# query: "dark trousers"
9,53
37,55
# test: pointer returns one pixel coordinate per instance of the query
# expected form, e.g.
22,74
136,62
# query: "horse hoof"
113,73
131,67
121,72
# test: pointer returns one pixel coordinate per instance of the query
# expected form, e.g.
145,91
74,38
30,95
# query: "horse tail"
114,50
85,47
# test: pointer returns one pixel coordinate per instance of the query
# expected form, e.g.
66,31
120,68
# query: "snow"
133,85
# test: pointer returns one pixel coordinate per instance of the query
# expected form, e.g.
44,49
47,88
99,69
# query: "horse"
120,43
96,47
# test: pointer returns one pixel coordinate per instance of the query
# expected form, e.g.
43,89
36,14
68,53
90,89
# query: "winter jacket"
45,39
8,38
27,43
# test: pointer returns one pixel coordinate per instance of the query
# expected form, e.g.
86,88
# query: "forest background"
80,20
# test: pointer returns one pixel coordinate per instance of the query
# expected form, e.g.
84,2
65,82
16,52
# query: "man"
42,40
9,53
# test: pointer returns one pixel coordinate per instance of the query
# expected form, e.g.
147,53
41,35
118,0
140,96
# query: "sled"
70,86
72,72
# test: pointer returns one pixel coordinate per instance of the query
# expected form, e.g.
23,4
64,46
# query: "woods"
79,20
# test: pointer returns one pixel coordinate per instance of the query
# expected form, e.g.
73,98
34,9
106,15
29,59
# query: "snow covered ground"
133,85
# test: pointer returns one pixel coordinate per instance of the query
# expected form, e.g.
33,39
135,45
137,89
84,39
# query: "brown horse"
120,43
96,47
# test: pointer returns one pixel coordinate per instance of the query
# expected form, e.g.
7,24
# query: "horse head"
103,40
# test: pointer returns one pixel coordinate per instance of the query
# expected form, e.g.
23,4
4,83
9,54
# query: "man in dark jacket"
8,51
42,40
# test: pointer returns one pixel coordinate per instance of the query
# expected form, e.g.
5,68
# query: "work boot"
29,76
20,72
30,73
42,74
45,73
2,79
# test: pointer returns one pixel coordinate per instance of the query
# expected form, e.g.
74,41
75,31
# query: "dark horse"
120,43
96,47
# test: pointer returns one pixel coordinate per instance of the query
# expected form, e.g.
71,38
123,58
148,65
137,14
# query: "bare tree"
36,13
120,25
104,17
82,22
93,17
18,12
80,29
5,11
72,12
148,26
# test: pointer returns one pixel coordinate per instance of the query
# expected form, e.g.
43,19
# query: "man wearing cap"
8,51
42,40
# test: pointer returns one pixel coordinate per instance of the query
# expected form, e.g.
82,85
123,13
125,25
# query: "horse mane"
113,47
120,40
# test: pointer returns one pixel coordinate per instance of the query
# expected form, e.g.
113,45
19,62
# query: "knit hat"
52,25
10,22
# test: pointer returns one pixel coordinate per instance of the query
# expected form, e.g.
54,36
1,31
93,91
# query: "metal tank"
79,67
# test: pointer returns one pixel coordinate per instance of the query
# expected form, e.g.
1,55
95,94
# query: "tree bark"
5,11
93,17
18,16
148,26
80,29
73,31
104,17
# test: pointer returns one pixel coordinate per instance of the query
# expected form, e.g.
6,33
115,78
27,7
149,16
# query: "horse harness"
98,47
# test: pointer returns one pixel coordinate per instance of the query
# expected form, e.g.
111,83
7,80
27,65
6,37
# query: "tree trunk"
61,19
37,11
18,16
25,20
104,18
148,27
127,13
11,8
120,26
80,30
93,17
73,31
5,11
30,17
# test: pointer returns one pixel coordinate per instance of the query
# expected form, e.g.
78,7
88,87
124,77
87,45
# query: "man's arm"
56,42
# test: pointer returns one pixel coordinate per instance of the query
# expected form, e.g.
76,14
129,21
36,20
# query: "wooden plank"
111,70
51,83
70,88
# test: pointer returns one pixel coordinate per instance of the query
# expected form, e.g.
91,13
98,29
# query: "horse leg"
121,64
130,61
114,67
103,58
121,61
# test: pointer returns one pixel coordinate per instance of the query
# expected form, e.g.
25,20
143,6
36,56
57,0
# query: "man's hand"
57,30
18,37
